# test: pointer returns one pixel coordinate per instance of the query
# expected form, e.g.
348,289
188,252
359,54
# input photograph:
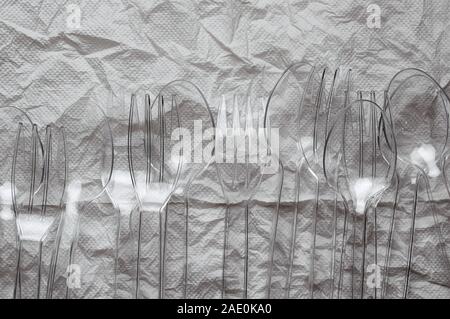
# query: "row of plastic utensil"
368,149
327,153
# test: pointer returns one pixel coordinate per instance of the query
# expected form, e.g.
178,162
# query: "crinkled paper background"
47,67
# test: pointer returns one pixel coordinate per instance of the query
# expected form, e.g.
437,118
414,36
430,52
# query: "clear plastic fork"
238,169
154,174
38,186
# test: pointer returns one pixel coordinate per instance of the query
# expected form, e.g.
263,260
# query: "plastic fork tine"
177,114
330,101
173,110
161,136
236,119
260,110
168,130
251,134
221,130
47,158
316,116
222,118
249,126
263,134
148,138
236,129
34,143
129,142
348,88
268,137
14,163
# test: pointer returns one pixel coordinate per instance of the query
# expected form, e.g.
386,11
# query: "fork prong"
148,138
173,113
34,146
249,126
268,137
161,136
14,166
330,102
250,133
236,127
131,120
236,124
47,160
221,131
317,112
222,117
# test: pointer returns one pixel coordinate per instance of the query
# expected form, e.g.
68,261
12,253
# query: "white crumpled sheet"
222,46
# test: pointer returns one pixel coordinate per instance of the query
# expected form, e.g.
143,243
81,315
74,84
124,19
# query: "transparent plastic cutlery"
418,106
154,170
357,169
38,185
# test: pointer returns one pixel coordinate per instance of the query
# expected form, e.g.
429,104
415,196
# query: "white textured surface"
46,68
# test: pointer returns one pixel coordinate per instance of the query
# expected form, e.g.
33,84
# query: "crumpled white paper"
51,58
